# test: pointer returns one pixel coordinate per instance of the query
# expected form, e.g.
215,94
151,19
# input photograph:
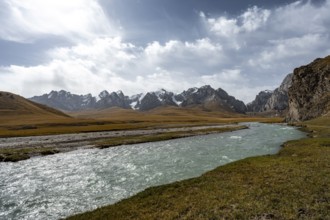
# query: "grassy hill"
15,110
14,105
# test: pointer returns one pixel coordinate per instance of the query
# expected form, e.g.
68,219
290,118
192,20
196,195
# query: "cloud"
242,54
109,63
249,21
268,44
185,57
28,20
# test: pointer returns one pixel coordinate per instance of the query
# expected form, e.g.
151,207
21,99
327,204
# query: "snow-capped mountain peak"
205,96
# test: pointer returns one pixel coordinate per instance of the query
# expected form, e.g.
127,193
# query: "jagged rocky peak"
279,99
212,99
259,103
113,99
149,101
88,100
309,94
60,94
152,100
104,94
166,98
120,94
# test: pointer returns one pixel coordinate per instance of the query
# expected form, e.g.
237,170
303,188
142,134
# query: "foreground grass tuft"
294,184
17,154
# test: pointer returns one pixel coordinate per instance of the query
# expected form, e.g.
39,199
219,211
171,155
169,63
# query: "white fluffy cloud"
249,21
268,44
244,54
109,63
28,20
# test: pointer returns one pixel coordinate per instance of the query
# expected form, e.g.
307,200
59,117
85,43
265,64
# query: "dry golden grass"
14,105
29,124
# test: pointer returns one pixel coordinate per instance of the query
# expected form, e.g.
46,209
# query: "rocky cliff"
278,101
309,94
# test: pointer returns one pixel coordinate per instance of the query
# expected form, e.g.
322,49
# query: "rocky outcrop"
272,101
259,104
309,94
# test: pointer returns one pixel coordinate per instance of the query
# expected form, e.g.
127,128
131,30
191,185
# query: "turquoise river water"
61,185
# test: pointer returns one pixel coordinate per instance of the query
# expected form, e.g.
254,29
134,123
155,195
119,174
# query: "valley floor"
294,184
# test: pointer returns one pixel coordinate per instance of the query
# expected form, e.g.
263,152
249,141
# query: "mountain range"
205,97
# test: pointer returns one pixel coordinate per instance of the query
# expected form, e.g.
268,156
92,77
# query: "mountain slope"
309,95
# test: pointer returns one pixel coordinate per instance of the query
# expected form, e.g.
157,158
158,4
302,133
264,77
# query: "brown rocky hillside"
309,94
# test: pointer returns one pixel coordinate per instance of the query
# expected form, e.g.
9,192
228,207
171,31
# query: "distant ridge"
205,97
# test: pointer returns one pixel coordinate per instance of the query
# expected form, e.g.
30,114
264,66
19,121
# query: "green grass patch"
293,184
17,154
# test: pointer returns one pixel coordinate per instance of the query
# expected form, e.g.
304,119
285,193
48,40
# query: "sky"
87,46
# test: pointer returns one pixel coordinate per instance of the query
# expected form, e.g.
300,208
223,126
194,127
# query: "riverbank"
22,148
293,184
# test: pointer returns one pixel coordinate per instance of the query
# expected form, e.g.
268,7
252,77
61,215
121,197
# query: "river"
60,185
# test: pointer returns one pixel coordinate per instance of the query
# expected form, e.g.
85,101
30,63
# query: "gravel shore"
66,142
